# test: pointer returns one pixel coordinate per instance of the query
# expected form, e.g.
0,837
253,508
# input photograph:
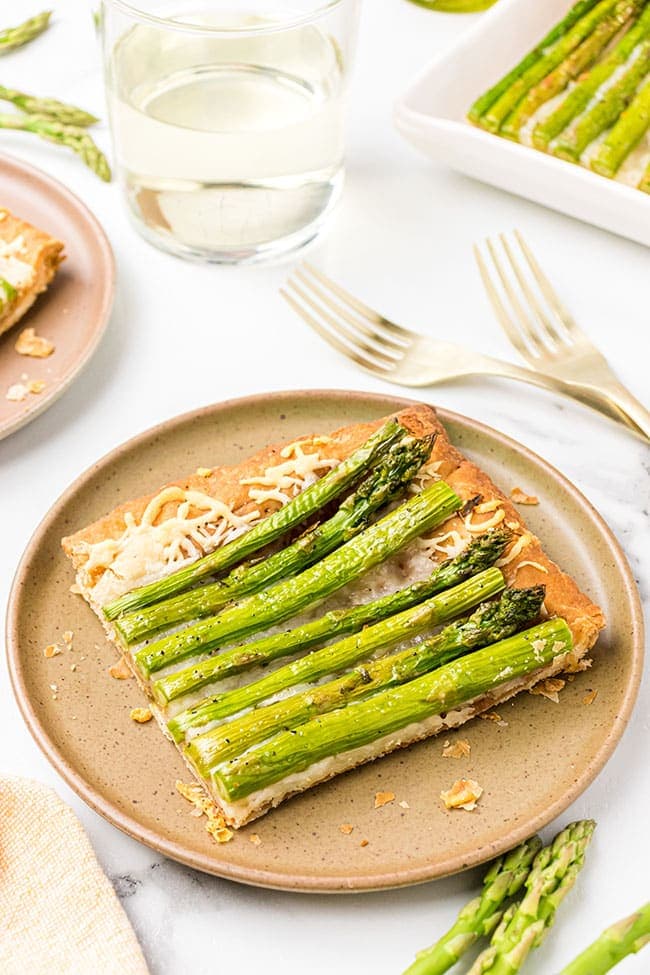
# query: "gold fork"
397,354
546,335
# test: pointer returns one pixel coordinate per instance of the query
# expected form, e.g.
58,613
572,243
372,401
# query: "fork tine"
549,329
499,308
388,358
361,308
332,340
549,292
371,331
526,327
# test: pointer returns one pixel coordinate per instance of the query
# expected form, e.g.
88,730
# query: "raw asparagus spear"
572,143
71,136
14,37
47,108
624,938
479,918
626,134
288,597
494,118
577,101
524,925
578,61
365,722
489,623
480,554
644,185
393,473
482,104
299,509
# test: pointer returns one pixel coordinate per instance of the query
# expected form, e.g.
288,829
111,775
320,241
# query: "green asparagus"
395,470
71,136
489,623
299,509
47,108
624,938
579,98
290,596
525,924
364,722
606,110
482,104
644,184
481,553
496,115
578,61
625,135
14,37
479,918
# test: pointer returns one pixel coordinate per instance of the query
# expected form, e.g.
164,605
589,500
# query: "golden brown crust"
41,251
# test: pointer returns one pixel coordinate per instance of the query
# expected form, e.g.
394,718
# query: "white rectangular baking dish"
431,115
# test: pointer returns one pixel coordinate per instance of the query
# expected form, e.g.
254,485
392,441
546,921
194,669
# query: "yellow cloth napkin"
58,913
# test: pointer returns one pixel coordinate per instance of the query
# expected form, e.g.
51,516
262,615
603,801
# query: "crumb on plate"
464,794
31,344
520,497
383,798
549,688
459,749
120,670
141,715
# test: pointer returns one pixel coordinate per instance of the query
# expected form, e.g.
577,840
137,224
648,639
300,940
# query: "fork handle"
634,416
632,412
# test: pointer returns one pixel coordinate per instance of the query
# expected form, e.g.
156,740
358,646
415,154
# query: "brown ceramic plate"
531,770
74,310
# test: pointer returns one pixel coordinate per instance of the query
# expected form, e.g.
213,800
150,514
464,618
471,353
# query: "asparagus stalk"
606,110
288,597
362,723
578,100
578,61
396,468
524,925
47,108
71,136
625,135
489,623
624,938
499,111
299,509
644,184
14,37
479,918
482,104
481,553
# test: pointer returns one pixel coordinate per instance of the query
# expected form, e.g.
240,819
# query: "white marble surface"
401,237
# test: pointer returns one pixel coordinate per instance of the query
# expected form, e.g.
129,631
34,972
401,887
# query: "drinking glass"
227,119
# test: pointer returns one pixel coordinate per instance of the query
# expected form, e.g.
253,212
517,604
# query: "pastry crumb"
590,697
54,688
35,386
204,472
520,497
31,344
364,842
404,804
52,650
73,667
494,716
204,806
383,798
68,637
141,715
549,688
459,749
17,393
464,794
255,839
120,670
346,828
575,665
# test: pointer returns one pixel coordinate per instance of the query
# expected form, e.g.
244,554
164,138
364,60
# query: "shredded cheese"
283,481
485,508
515,549
535,565
437,544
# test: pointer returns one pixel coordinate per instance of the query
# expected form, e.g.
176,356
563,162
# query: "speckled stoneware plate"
74,310
531,769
